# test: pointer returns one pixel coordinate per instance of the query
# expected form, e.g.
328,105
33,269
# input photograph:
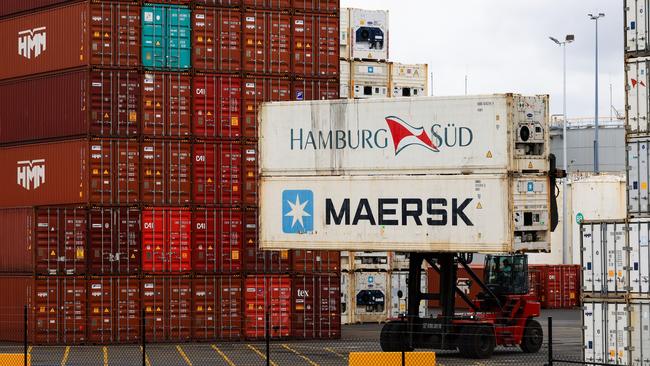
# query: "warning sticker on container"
148,16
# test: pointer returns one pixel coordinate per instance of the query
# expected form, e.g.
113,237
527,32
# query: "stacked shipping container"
134,147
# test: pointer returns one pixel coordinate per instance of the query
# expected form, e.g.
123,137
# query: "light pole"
596,167
565,232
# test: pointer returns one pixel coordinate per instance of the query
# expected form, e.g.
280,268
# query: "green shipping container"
166,36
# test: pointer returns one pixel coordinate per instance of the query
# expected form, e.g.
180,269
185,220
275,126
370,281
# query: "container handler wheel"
394,337
533,337
477,341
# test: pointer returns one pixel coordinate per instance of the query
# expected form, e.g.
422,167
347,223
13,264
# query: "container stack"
128,136
616,292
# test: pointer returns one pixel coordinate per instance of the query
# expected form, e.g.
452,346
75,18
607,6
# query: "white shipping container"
636,26
346,261
399,282
637,80
639,268
604,258
429,135
369,34
369,79
473,213
344,32
640,332
408,80
638,177
370,297
346,303
606,333
345,79
375,261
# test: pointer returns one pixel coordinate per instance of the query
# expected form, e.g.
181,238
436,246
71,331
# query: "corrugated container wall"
217,307
636,89
636,27
369,79
408,80
267,295
103,34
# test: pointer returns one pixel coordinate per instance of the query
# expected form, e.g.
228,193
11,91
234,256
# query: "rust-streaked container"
216,106
315,89
315,44
218,235
114,240
267,294
258,90
166,240
217,307
166,104
101,171
167,301
83,34
103,103
17,244
267,42
216,168
60,240
216,39
166,170
318,6
257,260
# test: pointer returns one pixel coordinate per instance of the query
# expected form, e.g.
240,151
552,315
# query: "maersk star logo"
297,211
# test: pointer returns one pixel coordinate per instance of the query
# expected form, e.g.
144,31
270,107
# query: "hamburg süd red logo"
406,135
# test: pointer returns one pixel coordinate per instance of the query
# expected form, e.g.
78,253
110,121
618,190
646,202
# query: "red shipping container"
217,106
268,4
535,282
267,42
315,45
258,90
47,313
60,240
232,3
166,240
79,171
267,295
167,302
166,170
315,89
103,103
319,6
464,282
8,7
218,237
561,286
83,34
166,105
257,260
329,325
114,309
154,301
250,176
330,261
217,41
17,231
217,173
319,261
180,309
217,308
305,307
114,240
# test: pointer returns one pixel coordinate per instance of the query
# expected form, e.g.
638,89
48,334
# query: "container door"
74,225
180,308
73,310
101,328
153,36
154,227
587,243
46,310
206,304
616,258
588,325
644,190
255,41
179,30
127,237
101,246
634,245
640,332
617,334
126,160
304,45
154,302
179,241
250,175
128,309
154,162
230,299
180,157
217,111
633,178
305,313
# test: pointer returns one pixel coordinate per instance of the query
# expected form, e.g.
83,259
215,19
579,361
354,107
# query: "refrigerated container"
368,34
105,34
605,259
639,332
372,261
266,294
166,104
267,42
636,94
636,27
369,79
217,307
315,45
639,261
166,172
217,39
499,133
114,240
217,173
217,106
166,36
166,240
344,34
114,310
102,103
638,175
408,80
167,302
344,79
370,297
218,237
346,298
606,333
399,294
103,171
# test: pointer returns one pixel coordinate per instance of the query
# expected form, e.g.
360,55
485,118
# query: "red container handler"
217,308
86,171
166,172
267,42
217,106
315,45
114,240
218,236
166,104
113,309
217,172
267,294
102,103
257,90
105,34
217,39
167,301
257,260
166,240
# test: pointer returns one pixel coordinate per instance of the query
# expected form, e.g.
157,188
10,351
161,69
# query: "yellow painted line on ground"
66,354
312,363
146,358
223,355
259,353
187,359
328,349
105,350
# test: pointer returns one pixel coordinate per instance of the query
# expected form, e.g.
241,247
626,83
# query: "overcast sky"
503,46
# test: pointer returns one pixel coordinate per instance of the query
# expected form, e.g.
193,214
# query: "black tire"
477,341
533,337
393,337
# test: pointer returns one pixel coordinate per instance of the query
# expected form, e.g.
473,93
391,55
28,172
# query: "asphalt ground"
567,344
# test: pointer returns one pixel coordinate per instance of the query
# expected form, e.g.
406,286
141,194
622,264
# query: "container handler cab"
503,314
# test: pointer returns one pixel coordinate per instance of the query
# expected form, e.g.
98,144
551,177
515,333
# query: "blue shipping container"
166,36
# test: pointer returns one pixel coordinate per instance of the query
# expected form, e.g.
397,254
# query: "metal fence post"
144,341
403,358
268,336
550,341
25,327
